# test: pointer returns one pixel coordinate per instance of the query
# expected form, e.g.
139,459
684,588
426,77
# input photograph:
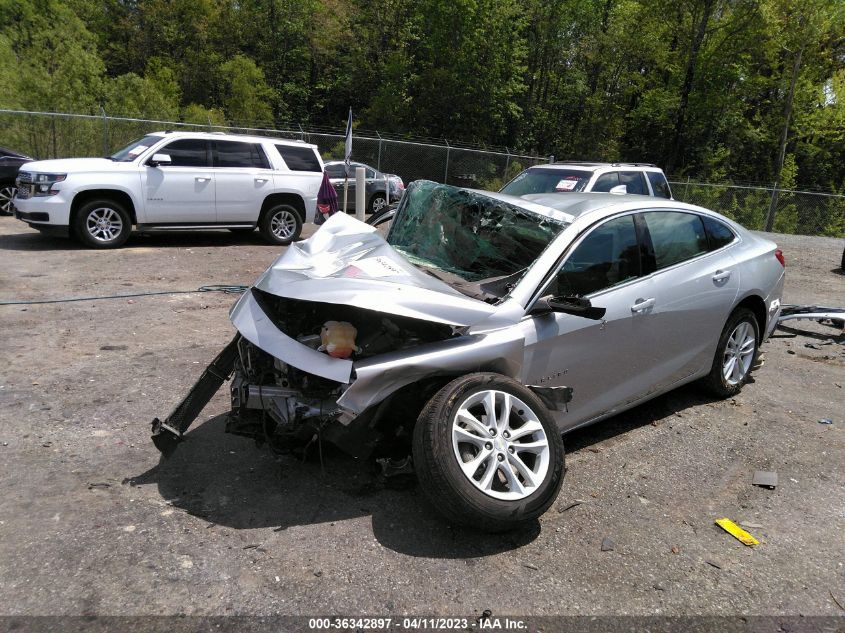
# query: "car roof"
221,136
593,167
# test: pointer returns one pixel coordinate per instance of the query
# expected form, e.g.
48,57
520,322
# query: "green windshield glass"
468,234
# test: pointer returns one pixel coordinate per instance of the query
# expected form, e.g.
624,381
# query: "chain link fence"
52,135
46,135
767,208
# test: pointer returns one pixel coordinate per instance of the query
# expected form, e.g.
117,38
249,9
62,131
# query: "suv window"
302,159
239,154
659,184
718,233
676,236
187,152
606,182
608,256
634,181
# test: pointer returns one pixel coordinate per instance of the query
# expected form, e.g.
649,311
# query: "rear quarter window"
659,184
718,233
299,158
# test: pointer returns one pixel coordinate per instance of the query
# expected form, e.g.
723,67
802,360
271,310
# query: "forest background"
746,91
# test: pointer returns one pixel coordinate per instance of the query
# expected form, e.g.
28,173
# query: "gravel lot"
92,522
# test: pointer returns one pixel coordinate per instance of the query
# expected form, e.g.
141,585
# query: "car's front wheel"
735,355
102,224
487,453
280,224
378,202
7,193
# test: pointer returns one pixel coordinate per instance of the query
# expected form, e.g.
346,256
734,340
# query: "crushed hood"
348,262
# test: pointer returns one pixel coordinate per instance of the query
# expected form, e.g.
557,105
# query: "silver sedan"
485,326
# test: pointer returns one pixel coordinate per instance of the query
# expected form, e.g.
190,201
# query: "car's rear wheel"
280,224
487,453
102,224
378,202
7,193
735,354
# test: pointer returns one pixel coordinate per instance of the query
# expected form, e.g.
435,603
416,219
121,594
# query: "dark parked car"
376,199
10,163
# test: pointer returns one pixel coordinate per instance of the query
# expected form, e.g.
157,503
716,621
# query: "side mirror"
577,306
158,160
619,189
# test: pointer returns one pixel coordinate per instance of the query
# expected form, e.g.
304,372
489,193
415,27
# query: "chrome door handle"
721,275
261,180
202,179
642,304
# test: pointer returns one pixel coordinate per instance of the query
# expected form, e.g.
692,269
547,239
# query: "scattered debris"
659,586
713,563
790,351
737,532
531,566
751,525
113,348
318,573
563,508
838,604
676,549
765,479
98,484
812,346
250,546
607,544
825,421
595,449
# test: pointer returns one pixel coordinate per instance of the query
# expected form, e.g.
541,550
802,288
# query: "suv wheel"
102,224
7,192
487,453
280,224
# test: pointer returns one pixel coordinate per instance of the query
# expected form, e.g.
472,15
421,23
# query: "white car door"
183,191
243,178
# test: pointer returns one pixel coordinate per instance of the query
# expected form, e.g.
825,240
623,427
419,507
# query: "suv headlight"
45,184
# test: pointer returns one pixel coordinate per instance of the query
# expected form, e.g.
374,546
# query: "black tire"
114,230
442,478
7,193
715,382
377,202
280,224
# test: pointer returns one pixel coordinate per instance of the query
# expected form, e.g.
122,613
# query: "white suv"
175,181
644,179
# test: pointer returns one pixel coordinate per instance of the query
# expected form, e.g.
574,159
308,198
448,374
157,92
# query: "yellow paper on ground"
737,532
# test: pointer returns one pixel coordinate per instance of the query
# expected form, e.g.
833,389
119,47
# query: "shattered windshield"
544,180
468,234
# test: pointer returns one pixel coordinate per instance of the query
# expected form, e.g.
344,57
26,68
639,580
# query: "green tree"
245,94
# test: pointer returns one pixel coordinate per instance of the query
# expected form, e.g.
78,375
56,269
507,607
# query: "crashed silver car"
482,327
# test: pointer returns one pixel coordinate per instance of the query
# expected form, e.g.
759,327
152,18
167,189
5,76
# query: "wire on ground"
229,290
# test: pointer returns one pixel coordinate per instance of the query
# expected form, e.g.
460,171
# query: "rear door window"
606,182
303,159
634,181
659,184
608,256
240,154
676,236
187,152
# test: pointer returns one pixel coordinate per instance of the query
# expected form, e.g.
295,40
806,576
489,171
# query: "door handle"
721,275
202,178
260,180
642,304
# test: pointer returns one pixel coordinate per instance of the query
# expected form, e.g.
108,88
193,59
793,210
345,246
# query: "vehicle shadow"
230,481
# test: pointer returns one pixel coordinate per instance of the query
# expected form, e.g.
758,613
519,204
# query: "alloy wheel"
104,224
500,445
283,224
739,353
6,195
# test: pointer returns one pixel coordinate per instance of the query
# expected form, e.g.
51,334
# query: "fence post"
446,174
105,132
773,203
301,131
686,191
208,118
378,162
507,164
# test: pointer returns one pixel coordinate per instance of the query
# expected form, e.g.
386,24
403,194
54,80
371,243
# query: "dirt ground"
93,522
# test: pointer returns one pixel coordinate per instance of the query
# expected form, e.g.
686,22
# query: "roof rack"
588,163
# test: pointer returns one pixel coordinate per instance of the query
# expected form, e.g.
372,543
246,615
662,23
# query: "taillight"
779,255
